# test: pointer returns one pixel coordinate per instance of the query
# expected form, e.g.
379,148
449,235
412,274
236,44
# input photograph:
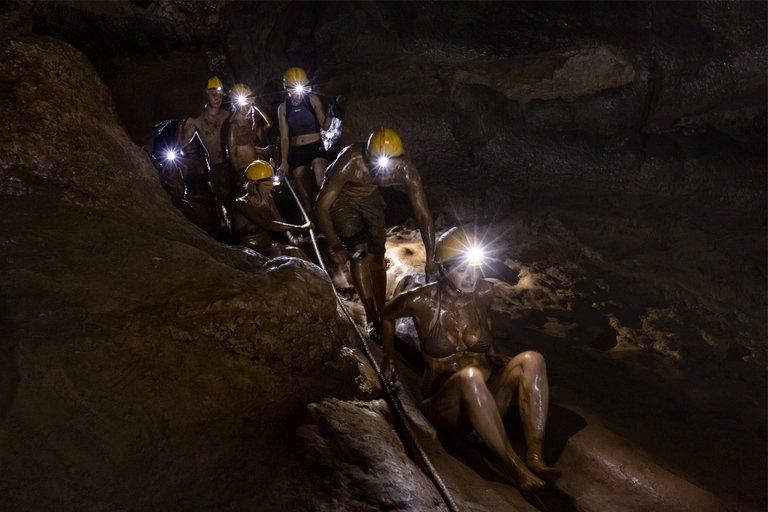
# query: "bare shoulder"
344,163
412,302
314,100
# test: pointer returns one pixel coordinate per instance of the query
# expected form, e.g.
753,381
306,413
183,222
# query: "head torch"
475,256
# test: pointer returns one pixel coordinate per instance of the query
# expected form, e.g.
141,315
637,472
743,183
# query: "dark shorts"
197,185
223,184
303,155
360,220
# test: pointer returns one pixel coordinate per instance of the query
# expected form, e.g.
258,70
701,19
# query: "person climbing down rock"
350,212
208,128
466,386
256,216
244,132
301,117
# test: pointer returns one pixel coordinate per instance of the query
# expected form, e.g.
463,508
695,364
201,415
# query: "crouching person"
256,216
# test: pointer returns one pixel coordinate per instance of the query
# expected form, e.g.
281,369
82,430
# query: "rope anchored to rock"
410,436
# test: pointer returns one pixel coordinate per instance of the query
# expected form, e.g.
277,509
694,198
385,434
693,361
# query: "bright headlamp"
475,256
170,155
242,100
383,161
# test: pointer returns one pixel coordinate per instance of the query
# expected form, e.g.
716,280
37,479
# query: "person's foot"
538,468
527,482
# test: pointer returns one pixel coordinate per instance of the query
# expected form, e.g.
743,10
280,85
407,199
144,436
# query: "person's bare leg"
319,166
361,277
526,373
466,391
378,266
304,188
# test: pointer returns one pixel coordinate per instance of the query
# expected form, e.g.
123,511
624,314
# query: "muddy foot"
547,473
527,482
537,466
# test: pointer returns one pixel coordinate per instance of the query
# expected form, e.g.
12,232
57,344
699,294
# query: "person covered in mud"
256,216
466,385
350,213
208,128
301,117
244,133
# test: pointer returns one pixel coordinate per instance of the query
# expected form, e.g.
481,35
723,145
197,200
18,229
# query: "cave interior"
613,152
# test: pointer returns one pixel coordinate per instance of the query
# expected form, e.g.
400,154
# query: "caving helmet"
241,94
215,83
456,244
384,142
261,171
295,78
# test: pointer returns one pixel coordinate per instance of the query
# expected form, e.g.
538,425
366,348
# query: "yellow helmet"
294,77
259,170
241,94
455,243
384,142
215,83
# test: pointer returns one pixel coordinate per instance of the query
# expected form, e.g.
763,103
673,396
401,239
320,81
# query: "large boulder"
141,361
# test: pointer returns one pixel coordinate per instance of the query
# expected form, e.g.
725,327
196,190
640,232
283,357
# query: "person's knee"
472,381
533,360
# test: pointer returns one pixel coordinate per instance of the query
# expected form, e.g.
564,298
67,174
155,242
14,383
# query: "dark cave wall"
544,99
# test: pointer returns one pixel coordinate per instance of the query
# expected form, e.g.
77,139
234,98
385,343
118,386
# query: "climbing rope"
391,393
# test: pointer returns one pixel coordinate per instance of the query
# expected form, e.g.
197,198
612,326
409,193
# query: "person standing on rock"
243,133
301,117
208,128
256,216
350,213
466,386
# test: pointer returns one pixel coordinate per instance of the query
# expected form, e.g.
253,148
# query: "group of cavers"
466,385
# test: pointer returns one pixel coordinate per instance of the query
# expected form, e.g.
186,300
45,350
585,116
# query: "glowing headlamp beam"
382,161
475,256
170,155
242,100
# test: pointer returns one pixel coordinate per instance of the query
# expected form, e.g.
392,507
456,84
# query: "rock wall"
541,100
142,364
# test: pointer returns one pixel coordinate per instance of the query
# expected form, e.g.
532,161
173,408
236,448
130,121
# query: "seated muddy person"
301,117
466,385
245,134
350,213
256,217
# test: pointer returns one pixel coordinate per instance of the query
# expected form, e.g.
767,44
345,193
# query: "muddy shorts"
197,185
223,183
360,220
303,155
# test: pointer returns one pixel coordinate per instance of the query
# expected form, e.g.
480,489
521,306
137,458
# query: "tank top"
301,118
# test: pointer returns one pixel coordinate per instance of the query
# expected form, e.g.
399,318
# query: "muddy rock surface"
143,366
356,461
